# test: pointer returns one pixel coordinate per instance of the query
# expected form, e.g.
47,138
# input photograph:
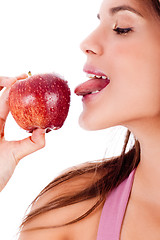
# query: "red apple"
40,101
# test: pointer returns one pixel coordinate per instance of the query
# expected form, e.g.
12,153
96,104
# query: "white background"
44,36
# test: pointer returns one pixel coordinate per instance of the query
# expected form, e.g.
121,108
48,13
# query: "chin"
86,123
92,124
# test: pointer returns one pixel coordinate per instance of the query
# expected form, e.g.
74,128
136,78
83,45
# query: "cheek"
135,72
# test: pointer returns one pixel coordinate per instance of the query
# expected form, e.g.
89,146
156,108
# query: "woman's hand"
12,151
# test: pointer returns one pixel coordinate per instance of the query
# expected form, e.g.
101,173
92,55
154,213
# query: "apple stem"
29,74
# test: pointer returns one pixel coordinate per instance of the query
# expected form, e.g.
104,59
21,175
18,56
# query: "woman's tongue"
90,86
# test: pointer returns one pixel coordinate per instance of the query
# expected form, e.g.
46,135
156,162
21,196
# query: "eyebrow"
117,9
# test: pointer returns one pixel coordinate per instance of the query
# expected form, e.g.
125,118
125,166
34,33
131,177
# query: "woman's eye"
122,31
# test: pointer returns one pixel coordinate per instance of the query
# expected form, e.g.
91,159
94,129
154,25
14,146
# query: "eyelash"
122,31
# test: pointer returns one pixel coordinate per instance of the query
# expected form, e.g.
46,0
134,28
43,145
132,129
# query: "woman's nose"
92,44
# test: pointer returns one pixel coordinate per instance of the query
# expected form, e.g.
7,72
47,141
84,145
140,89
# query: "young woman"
117,198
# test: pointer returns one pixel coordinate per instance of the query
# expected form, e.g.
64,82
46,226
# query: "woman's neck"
148,172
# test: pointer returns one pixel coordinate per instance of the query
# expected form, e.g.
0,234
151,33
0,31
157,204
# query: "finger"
4,110
4,107
22,76
29,145
7,81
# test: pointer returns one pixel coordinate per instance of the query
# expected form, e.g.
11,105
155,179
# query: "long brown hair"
108,174
111,171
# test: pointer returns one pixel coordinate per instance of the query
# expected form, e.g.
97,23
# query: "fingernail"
41,131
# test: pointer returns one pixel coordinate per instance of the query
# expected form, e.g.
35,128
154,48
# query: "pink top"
114,209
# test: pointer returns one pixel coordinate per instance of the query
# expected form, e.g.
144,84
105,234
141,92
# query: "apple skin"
40,101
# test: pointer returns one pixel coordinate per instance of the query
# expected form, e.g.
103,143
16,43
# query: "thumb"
29,145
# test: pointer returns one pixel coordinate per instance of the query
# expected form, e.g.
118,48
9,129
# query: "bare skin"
132,99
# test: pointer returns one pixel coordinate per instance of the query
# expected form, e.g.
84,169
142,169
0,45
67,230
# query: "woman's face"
131,60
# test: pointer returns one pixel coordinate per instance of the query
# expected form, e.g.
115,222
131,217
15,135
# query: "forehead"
140,6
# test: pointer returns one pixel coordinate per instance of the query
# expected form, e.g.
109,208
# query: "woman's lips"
91,86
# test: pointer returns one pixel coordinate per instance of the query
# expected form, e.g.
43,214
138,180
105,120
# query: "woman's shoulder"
86,228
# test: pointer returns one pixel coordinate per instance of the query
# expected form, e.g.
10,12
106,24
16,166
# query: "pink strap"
114,210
